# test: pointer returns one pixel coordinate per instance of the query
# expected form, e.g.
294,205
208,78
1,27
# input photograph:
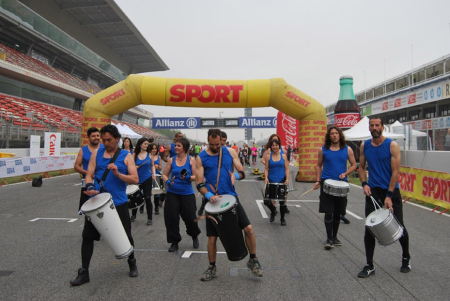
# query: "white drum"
100,210
383,225
157,185
292,176
336,188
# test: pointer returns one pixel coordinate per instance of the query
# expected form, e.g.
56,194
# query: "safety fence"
27,166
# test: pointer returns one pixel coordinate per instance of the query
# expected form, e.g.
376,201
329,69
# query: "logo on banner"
425,95
432,93
257,122
438,92
412,99
205,93
346,120
176,123
191,123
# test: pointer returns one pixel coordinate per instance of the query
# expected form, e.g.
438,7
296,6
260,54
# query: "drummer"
332,165
121,172
170,149
180,198
276,171
207,168
146,172
158,166
383,156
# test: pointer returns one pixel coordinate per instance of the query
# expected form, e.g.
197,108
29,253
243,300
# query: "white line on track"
69,220
354,215
188,254
77,184
261,208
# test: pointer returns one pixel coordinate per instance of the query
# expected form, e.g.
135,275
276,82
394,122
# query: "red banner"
287,129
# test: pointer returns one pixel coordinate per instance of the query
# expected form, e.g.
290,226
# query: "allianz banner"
425,185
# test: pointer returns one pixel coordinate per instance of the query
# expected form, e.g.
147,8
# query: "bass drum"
135,199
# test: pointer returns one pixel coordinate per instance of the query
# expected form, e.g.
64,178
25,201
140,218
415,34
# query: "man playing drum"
383,157
84,155
121,172
332,165
207,167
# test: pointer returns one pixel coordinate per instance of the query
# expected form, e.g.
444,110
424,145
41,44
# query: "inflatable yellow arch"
138,89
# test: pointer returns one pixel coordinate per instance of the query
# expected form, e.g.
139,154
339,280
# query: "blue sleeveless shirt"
144,171
379,161
156,162
181,187
276,169
210,164
87,155
115,186
172,152
334,163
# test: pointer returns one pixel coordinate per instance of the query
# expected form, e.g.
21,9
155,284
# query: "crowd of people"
215,167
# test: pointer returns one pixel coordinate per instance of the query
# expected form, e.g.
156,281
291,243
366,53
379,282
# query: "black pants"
90,234
146,191
180,205
369,241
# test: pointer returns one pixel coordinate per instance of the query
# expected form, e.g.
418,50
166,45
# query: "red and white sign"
287,129
346,120
52,145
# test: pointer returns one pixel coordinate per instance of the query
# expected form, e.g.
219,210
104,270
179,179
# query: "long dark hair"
137,150
131,143
270,139
342,141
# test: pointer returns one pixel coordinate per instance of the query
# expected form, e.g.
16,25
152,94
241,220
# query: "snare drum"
225,213
135,199
100,210
157,185
275,192
384,226
336,188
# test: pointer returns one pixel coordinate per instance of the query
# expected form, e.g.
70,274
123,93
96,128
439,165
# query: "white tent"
360,131
415,133
125,131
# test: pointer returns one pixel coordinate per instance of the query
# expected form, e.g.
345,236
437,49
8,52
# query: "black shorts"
243,221
331,204
89,230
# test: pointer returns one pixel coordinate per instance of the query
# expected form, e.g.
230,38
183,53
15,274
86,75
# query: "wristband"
242,174
389,194
200,185
168,183
237,176
208,195
90,186
364,183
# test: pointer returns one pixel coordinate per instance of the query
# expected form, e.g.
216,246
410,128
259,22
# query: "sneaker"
209,274
287,210
82,277
255,267
406,265
283,222
328,244
149,222
173,247
345,220
366,272
273,213
141,209
195,242
337,242
132,218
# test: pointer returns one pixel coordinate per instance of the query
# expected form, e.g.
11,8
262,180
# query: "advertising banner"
176,123
312,135
52,144
35,146
425,185
257,122
32,165
287,130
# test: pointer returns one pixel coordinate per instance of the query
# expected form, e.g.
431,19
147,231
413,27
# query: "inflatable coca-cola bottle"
347,111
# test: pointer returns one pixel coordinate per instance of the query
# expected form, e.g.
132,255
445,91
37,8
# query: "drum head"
377,217
335,183
96,202
132,189
225,203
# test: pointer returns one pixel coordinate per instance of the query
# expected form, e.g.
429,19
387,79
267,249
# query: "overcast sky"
308,43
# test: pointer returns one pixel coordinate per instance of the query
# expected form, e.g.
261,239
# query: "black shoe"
156,210
133,268
328,245
195,242
173,247
337,242
406,265
149,222
82,278
272,215
366,272
132,218
141,209
345,220
283,222
287,210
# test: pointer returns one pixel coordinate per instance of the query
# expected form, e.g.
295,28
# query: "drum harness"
105,174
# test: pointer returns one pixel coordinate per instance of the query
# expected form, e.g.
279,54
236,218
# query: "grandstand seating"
17,58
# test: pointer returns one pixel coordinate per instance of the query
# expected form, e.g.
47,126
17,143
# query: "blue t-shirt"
334,163
277,171
144,172
87,155
379,161
210,164
181,187
115,186
172,152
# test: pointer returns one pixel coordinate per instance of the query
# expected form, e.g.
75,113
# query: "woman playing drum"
276,171
180,198
157,162
144,164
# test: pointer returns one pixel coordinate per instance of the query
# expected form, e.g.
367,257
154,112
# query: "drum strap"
216,189
105,174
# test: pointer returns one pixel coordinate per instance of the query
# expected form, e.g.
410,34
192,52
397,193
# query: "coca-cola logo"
385,106
398,103
346,120
290,128
412,99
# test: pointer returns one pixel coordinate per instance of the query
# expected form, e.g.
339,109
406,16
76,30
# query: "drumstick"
307,191
142,163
